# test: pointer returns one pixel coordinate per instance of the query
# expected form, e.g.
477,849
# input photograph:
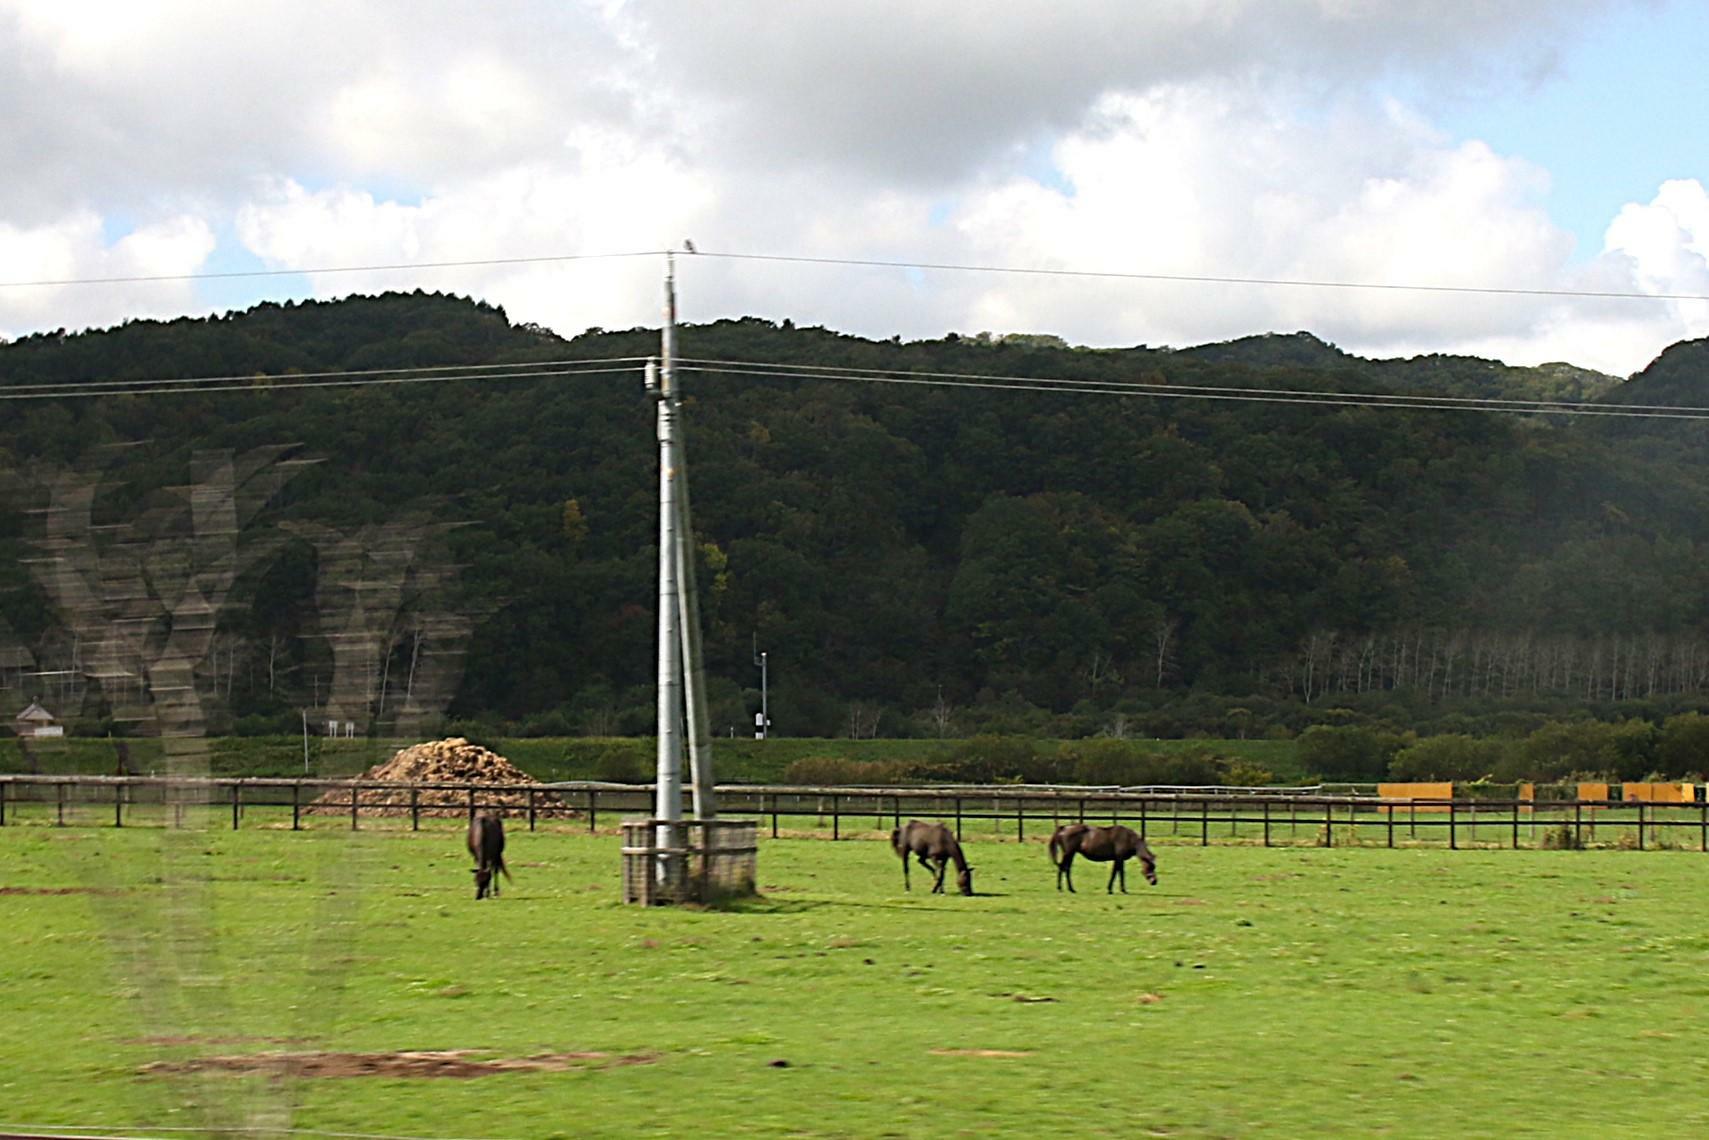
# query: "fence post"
896,804
1640,825
1142,814
836,818
1329,823
1453,835
1204,823
354,799
471,803
774,815
1703,823
234,799
530,809
1516,825
118,805
1020,820
59,792
296,805
1266,823
3,786
414,808
593,811
1391,825
958,817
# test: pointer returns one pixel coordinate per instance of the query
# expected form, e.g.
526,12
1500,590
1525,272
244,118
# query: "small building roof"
35,714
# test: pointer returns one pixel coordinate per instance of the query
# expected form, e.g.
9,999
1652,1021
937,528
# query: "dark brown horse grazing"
936,847
1101,845
486,844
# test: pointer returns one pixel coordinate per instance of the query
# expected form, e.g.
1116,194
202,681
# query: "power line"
882,263
343,372
268,384
309,271
1209,279
1086,387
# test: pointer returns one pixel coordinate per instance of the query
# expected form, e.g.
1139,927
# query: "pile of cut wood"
450,761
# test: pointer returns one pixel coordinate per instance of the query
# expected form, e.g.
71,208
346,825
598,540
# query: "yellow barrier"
1592,792
1417,791
1659,793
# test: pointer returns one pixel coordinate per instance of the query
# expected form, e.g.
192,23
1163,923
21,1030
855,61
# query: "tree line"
915,560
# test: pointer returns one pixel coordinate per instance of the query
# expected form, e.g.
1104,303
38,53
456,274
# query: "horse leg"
938,887
1120,870
907,886
930,870
1110,887
1065,871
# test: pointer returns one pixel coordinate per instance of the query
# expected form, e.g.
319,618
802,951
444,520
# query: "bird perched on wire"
689,246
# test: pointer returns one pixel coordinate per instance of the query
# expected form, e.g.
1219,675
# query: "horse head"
964,880
483,880
1148,864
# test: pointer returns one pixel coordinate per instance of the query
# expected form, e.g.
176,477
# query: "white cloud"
75,248
618,198
1238,138
1188,182
921,94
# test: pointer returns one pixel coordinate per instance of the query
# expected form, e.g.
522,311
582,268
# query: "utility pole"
682,679
762,721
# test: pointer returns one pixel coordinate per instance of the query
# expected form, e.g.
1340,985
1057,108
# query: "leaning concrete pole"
694,673
667,807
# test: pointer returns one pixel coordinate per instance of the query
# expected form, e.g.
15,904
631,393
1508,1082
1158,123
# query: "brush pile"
451,761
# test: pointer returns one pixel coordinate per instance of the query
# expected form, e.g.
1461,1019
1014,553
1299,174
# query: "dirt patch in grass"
58,891
175,1042
458,1063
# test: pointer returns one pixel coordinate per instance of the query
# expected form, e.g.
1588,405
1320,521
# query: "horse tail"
1056,847
896,840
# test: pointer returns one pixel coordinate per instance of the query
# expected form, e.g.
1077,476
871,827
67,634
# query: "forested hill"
907,554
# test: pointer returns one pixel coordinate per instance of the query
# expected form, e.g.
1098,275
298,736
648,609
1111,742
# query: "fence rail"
1203,816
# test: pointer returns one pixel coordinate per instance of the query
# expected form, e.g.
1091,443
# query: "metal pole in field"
667,804
688,624
682,677
762,723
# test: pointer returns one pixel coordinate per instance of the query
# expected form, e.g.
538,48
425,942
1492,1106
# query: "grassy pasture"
1293,991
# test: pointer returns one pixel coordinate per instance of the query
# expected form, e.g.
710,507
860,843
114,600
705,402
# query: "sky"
1522,180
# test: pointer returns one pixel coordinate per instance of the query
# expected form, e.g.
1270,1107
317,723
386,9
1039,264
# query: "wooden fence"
1177,815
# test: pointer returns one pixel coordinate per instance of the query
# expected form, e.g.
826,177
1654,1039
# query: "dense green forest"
922,560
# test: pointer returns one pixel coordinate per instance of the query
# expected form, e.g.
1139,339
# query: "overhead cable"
1395,400
273,383
881,263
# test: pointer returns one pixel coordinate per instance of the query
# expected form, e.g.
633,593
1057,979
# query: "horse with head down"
486,844
1115,844
936,847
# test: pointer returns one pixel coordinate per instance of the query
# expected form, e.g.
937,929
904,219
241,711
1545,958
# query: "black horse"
486,844
936,847
1101,845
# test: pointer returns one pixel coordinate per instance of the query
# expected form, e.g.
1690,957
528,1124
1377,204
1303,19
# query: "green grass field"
1284,992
